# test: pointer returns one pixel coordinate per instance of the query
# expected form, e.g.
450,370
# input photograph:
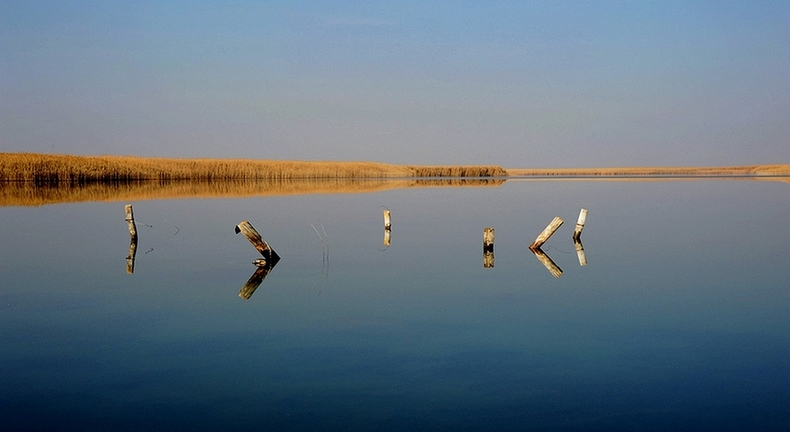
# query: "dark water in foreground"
679,321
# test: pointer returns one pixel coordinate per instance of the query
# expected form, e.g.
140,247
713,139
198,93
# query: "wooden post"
544,259
387,228
257,241
553,226
133,243
580,224
488,247
130,221
580,252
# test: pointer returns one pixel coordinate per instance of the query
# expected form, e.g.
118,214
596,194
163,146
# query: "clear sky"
519,84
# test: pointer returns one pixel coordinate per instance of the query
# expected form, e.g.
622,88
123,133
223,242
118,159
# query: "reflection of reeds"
30,194
44,169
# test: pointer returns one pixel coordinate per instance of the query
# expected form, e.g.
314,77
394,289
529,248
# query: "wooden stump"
553,226
488,247
257,241
577,232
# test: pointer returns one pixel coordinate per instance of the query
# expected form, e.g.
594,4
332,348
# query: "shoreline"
54,169
51,169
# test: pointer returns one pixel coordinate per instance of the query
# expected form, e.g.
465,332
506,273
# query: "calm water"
679,321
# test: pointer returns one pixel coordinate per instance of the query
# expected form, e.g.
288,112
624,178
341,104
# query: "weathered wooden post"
577,232
387,220
133,243
488,247
130,221
257,241
580,252
553,226
547,262
387,227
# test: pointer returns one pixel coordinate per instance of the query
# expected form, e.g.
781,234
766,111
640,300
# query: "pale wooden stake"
130,221
544,259
580,252
488,247
580,224
257,241
553,226
133,243
387,227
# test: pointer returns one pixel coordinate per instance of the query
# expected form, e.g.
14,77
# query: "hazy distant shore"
688,171
51,169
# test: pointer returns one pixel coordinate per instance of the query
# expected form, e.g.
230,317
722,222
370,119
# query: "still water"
679,321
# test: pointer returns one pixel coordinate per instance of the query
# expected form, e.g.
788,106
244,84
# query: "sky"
523,84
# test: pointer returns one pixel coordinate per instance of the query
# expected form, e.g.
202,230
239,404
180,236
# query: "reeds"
45,169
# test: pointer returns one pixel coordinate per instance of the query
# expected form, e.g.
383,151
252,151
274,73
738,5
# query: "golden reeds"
67,169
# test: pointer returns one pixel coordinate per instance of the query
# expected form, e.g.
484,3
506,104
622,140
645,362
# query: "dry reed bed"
30,194
59,169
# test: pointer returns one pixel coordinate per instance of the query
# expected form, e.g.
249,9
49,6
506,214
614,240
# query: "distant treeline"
46,169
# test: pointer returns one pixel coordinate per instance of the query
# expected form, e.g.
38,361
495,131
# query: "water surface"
679,321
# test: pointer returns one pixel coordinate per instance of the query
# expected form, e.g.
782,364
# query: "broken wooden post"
130,221
252,235
580,252
553,226
488,247
580,224
387,227
547,262
387,220
133,243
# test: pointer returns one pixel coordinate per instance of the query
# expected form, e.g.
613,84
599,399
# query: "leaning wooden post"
252,235
580,224
133,242
130,221
553,226
488,247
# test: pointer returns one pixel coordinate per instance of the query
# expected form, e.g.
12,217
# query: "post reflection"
252,284
547,262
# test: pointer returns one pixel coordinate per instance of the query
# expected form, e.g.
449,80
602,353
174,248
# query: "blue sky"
518,84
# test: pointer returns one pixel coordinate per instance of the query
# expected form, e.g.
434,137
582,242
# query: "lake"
680,319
